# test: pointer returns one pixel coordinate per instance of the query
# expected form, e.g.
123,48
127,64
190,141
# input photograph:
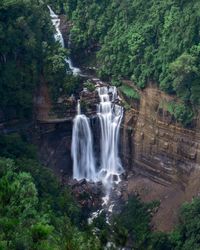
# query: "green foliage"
102,228
133,39
181,112
159,241
187,235
49,189
41,232
89,85
36,211
142,41
183,71
29,56
133,223
24,25
71,85
129,92
15,145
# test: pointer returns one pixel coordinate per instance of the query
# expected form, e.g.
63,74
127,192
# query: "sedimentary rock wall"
156,146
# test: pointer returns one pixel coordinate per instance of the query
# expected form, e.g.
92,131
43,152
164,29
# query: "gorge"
99,125
147,150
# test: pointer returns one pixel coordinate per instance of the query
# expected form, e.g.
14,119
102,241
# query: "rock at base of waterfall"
88,194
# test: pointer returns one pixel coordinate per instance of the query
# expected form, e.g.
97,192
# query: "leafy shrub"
182,113
89,85
129,92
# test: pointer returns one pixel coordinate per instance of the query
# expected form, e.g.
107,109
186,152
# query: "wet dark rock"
115,177
82,182
124,176
73,182
88,194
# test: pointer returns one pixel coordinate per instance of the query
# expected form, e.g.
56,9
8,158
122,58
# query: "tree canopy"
144,41
29,56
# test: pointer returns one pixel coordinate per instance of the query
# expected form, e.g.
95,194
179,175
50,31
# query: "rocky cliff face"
54,143
151,143
154,145
162,158
165,156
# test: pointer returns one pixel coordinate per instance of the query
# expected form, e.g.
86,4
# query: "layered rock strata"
154,145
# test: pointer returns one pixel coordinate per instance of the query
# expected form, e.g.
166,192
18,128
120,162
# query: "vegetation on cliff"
139,40
29,56
154,41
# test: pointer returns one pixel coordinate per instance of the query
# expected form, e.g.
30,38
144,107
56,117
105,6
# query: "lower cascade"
82,148
110,116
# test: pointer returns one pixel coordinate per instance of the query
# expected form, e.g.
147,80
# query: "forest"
155,42
144,41
29,56
147,42
39,213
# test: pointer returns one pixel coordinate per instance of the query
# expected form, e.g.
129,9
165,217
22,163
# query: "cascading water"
58,37
82,148
56,23
110,116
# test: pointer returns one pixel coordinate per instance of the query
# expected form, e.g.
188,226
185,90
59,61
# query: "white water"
82,148
110,116
59,38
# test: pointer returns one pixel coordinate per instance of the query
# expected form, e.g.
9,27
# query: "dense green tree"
37,213
143,41
29,56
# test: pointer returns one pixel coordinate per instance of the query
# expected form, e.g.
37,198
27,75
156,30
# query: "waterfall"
82,148
59,38
56,23
110,116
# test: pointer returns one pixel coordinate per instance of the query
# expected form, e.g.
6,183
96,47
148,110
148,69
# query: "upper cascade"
56,23
59,37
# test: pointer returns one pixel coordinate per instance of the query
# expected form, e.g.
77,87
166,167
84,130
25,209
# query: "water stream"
82,148
58,37
109,115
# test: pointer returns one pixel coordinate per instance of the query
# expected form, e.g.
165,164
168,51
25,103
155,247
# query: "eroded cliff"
164,157
161,158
